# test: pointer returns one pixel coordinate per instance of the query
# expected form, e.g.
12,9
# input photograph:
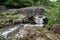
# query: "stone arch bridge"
29,11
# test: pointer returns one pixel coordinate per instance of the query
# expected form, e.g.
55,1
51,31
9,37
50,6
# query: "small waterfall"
13,30
10,31
39,20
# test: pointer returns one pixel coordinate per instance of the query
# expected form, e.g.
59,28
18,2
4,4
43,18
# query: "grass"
53,15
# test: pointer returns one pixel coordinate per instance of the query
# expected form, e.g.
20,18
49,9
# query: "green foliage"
1,37
24,3
38,3
11,3
19,3
25,20
44,2
54,15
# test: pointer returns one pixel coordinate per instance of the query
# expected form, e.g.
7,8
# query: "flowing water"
8,30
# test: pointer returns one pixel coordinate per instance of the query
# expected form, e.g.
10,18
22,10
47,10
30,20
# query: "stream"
12,30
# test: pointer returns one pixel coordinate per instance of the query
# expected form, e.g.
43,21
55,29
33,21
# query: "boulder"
56,28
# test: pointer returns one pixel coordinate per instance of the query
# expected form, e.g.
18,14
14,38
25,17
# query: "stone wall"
29,11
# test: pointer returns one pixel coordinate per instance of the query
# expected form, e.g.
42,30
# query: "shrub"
18,3
38,3
24,3
25,20
54,15
1,37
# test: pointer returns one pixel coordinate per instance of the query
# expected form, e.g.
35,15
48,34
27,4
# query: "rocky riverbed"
27,32
35,33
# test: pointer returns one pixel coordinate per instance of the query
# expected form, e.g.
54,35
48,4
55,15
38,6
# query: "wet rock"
9,31
56,28
45,20
52,36
31,20
40,38
36,33
17,21
22,34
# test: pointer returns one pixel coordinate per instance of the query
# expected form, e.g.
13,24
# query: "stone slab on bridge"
28,11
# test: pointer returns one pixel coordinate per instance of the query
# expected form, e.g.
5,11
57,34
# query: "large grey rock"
28,11
36,33
52,36
56,28
31,11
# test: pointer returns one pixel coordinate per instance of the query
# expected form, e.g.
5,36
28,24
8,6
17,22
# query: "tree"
19,3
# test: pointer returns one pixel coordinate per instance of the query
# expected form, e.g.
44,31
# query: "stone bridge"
29,11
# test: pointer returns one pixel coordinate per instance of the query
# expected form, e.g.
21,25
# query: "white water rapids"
7,31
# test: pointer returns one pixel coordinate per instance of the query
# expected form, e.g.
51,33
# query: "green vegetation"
25,20
54,15
6,17
38,3
1,37
18,3
24,3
